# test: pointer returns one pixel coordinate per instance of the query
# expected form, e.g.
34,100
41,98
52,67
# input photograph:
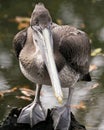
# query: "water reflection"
3,82
5,60
69,16
84,14
101,35
96,110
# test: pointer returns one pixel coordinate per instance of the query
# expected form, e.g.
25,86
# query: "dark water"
87,15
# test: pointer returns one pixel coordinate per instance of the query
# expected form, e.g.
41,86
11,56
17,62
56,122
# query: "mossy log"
10,123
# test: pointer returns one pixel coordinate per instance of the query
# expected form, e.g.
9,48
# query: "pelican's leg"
62,115
34,112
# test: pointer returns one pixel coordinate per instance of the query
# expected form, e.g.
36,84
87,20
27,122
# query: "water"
88,15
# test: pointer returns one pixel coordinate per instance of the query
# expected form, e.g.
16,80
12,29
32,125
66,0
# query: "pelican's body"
32,64
71,53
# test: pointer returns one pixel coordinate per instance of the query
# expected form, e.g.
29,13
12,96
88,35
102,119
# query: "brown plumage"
71,51
71,48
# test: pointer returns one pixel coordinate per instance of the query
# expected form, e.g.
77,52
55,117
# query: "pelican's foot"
61,118
32,114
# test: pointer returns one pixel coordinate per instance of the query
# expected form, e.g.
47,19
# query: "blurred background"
17,91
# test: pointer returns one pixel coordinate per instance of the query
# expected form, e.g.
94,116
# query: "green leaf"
96,51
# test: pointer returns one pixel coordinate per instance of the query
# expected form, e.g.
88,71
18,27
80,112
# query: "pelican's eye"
36,22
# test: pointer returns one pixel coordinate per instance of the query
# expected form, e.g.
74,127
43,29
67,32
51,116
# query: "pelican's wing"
19,41
75,47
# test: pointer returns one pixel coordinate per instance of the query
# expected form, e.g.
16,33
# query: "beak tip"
60,100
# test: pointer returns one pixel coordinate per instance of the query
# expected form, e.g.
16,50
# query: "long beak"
47,42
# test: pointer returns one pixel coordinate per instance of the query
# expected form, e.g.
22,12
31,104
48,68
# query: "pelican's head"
40,17
40,23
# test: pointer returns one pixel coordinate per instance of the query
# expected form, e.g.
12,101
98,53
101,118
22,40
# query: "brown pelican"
53,55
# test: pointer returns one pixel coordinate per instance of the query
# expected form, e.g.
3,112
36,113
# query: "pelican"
50,54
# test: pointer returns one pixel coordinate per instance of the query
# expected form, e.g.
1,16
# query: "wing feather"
75,47
19,41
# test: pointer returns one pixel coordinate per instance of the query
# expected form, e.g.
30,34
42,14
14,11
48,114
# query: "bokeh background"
17,91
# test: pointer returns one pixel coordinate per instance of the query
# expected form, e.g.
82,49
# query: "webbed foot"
32,114
61,118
